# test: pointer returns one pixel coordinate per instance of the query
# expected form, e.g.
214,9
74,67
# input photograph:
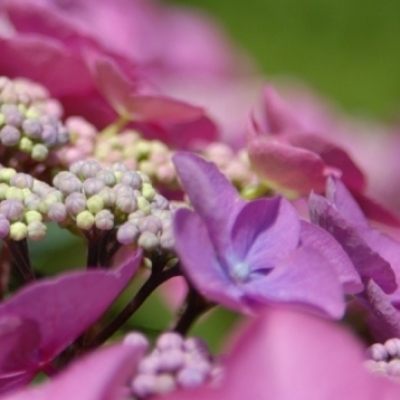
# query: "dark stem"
20,253
156,279
5,269
194,306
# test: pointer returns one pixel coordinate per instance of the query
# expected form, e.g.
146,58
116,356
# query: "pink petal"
287,167
124,95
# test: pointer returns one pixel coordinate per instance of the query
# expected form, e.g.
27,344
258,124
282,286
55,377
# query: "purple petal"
99,376
339,196
303,279
65,306
265,230
213,197
321,241
368,262
200,261
385,318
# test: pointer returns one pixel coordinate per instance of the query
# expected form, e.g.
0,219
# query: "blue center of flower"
240,271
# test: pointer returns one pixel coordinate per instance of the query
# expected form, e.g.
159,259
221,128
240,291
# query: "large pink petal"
285,355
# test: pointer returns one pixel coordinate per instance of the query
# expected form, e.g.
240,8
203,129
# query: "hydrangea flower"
243,254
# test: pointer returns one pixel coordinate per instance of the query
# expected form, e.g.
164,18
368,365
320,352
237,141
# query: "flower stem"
20,253
194,306
156,278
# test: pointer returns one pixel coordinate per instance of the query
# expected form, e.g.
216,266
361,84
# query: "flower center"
240,272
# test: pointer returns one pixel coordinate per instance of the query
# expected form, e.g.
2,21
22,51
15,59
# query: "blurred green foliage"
347,49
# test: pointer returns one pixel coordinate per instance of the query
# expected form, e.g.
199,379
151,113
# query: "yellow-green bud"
32,215
18,231
25,144
6,174
143,205
95,204
85,220
148,191
14,193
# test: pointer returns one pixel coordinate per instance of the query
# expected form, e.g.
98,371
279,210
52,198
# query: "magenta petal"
321,241
20,340
65,306
287,167
366,260
123,95
98,376
45,61
265,230
200,263
319,289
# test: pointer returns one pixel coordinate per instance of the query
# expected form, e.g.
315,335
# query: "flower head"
243,254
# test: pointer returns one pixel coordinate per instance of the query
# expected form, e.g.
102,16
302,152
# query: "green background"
346,49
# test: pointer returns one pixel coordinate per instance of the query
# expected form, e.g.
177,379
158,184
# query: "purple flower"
99,376
375,255
41,320
243,254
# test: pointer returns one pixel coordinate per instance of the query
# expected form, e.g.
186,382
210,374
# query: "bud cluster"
22,199
236,167
103,199
152,157
29,122
175,363
385,358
